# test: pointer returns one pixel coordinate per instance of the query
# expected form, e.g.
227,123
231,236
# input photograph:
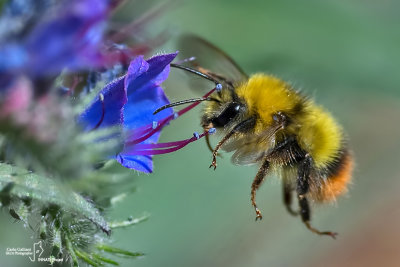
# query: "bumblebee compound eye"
230,112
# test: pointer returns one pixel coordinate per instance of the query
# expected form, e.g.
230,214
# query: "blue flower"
130,102
145,95
68,37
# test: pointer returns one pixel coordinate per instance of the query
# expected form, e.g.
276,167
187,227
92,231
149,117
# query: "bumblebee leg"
302,189
218,146
243,126
260,176
305,216
207,137
287,198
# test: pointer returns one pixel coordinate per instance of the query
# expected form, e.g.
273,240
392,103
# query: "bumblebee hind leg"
303,185
305,216
287,197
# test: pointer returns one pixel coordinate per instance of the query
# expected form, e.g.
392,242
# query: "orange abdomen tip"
337,183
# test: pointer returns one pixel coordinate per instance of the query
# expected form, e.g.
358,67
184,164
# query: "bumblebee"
265,121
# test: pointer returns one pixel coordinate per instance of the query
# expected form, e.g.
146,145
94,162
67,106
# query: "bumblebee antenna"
196,72
181,103
218,88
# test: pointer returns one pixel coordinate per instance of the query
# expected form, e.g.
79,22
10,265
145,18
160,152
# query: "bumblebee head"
222,109
225,109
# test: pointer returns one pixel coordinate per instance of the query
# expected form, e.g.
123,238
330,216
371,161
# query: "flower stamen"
147,131
164,148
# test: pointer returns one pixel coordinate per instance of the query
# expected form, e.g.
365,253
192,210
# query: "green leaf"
47,191
114,250
104,259
129,222
61,156
87,258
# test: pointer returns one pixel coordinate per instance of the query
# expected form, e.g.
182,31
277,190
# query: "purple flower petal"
144,96
131,101
107,109
71,39
67,37
157,70
144,93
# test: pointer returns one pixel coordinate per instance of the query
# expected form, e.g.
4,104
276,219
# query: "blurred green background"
346,55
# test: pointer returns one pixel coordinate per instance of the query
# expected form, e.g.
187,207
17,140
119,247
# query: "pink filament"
147,131
152,149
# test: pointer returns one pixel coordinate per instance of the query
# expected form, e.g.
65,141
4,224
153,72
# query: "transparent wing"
247,155
209,58
251,148
248,149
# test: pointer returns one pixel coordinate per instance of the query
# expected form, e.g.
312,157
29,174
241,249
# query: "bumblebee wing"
252,148
247,155
210,59
248,149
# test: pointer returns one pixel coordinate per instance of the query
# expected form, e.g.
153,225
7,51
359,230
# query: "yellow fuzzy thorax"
265,95
317,131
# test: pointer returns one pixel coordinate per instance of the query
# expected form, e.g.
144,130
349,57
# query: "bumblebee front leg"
243,126
208,143
260,176
303,186
218,146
